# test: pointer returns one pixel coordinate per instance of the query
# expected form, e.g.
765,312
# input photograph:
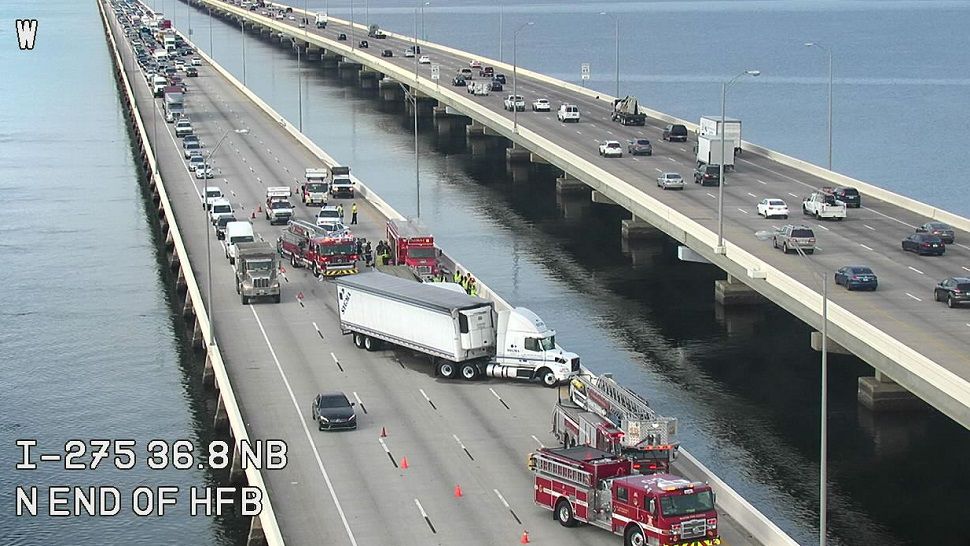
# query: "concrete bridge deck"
899,330
343,487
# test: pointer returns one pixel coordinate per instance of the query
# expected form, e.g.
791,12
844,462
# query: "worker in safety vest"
353,213
473,291
457,276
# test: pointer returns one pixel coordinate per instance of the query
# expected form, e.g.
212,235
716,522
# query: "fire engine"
588,485
603,414
413,246
307,245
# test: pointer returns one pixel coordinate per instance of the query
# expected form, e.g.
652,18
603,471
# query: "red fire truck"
605,415
587,485
413,246
307,245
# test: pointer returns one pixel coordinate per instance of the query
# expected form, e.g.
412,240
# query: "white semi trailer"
464,335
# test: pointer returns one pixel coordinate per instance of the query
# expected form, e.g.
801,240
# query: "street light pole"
828,51
720,180
616,61
424,35
208,252
501,36
212,53
353,40
299,75
515,92
242,32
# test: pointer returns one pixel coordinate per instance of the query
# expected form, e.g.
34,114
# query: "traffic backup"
586,485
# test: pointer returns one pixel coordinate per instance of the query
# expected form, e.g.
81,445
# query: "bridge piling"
731,291
236,474
567,184
256,535
208,374
220,422
880,393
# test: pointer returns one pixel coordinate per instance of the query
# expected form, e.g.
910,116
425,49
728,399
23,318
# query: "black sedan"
941,230
954,291
924,244
849,196
387,53
856,276
459,81
496,85
341,37
331,410
500,78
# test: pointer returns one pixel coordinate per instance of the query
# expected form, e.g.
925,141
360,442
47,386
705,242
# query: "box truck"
709,151
463,335
710,125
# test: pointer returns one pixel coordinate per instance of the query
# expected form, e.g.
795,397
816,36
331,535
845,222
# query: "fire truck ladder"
638,419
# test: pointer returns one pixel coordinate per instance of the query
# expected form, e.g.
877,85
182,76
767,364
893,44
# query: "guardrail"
916,372
267,518
731,502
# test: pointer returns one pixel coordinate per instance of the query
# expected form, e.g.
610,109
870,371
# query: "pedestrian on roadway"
340,211
368,254
360,246
353,213
457,277
473,291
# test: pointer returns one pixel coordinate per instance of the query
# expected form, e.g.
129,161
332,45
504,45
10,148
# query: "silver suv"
792,237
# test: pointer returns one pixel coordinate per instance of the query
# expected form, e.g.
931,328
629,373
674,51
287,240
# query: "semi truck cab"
524,339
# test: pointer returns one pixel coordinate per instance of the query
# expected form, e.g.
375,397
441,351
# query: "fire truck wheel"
548,378
358,341
293,261
564,513
371,344
244,299
447,369
469,372
634,537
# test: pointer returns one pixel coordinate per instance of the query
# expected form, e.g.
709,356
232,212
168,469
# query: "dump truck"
627,112
464,336
256,266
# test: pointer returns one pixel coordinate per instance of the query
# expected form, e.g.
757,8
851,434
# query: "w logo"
26,33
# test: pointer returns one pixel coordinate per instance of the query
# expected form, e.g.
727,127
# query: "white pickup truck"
823,205
515,102
278,208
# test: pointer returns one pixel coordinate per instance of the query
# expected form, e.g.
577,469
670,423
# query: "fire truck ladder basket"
640,423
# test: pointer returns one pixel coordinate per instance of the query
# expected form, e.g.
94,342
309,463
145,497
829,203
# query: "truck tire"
564,513
469,372
447,369
548,378
358,340
244,299
634,537
232,260
371,344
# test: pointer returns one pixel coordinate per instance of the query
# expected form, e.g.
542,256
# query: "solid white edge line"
421,508
537,440
306,430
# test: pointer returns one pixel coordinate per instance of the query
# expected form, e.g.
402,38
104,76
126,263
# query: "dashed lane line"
912,296
916,270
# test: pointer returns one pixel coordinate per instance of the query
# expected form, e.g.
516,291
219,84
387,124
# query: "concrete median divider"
266,521
732,503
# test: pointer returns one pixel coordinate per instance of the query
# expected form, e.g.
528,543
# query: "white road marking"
742,210
672,159
752,195
334,357
761,181
636,159
917,270
306,431
658,170
315,327
683,149
461,445
424,395
823,227
501,498
963,246
578,133
864,246
792,194
912,296
537,441
868,227
386,450
711,195
421,508
965,268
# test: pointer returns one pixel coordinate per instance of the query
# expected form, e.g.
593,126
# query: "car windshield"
964,287
316,187
329,214
776,203
213,193
421,252
241,239
643,142
335,250
225,220
802,233
851,192
934,225
861,271
197,159
334,401
221,209
673,177
681,505
612,144
678,130
547,343
280,205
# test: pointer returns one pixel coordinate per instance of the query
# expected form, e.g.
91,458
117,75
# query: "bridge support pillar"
236,474
208,374
329,59
313,53
880,393
517,155
636,228
221,420
390,90
568,184
832,347
731,291
197,339
347,69
187,309
519,172
572,206
256,535
369,78
601,199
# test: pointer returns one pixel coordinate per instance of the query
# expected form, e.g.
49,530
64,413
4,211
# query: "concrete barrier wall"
729,500
237,425
946,391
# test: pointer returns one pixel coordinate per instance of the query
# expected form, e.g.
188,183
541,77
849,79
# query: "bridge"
266,362
915,344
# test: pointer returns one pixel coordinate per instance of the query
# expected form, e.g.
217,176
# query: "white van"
220,207
237,232
159,83
567,113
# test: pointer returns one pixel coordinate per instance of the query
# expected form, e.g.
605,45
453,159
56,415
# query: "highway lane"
278,360
903,307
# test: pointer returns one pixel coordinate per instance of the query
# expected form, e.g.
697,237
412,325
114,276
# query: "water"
743,382
88,338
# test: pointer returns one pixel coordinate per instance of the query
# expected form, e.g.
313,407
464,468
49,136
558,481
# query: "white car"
212,193
424,59
480,89
611,148
771,208
541,105
670,181
475,64
196,162
196,61
335,230
329,215
514,102
568,112
220,207
408,53
203,173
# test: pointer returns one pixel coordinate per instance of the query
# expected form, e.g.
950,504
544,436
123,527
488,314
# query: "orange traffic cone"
458,490
404,463
282,269
383,432
525,538
259,208
253,215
